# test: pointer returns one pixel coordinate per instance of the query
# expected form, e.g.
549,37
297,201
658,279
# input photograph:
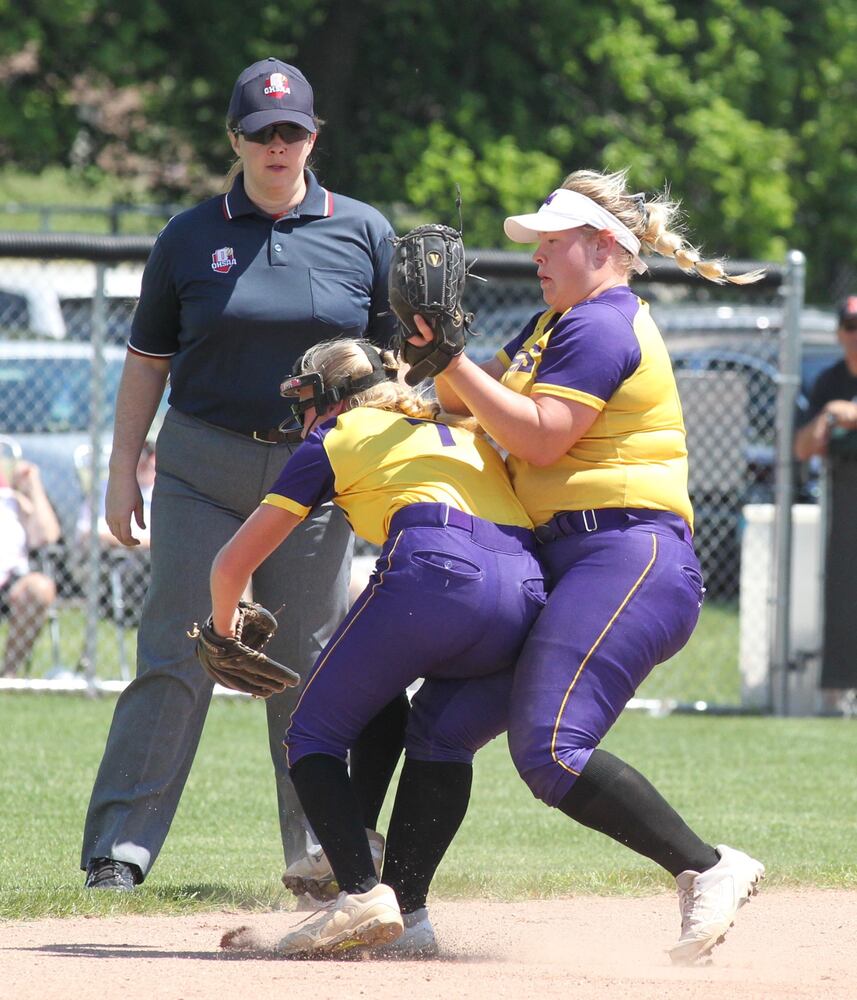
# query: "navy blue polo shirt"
233,297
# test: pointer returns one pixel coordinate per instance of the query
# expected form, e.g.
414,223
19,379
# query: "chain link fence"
65,309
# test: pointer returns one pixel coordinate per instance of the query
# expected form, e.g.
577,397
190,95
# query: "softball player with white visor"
585,403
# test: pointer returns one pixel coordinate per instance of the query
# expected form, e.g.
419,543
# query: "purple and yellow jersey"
607,353
373,462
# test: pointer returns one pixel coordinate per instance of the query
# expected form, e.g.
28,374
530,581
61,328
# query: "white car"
46,404
54,299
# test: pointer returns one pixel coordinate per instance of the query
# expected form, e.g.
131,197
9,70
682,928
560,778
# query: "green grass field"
783,789
707,669
72,631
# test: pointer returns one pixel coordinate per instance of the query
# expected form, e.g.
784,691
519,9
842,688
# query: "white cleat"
312,875
416,941
361,920
709,901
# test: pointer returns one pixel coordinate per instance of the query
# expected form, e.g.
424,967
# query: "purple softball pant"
622,599
451,599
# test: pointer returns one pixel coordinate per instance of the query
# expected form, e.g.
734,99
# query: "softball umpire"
454,592
234,291
585,402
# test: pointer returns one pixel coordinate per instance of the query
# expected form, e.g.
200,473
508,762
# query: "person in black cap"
833,399
828,428
235,290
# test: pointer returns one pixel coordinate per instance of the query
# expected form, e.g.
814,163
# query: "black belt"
273,436
276,435
583,522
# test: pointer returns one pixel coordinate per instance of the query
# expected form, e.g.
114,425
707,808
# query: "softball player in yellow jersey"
585,402
454,593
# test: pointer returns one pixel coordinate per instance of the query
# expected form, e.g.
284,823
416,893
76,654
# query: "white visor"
566,209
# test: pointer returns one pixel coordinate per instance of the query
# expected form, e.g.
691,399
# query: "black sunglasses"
287,131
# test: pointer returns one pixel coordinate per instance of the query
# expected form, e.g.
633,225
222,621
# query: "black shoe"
105,873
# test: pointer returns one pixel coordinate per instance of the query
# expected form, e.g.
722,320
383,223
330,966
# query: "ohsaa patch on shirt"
223,260
277,85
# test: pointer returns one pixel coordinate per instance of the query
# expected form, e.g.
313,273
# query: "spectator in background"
27,522
828,430
134,568
833,400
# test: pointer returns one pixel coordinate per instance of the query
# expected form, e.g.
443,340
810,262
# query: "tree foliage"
746,110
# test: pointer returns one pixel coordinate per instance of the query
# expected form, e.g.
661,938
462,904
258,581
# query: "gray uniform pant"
208,482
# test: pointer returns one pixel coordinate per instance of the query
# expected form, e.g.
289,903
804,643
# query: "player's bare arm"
538,428
265,529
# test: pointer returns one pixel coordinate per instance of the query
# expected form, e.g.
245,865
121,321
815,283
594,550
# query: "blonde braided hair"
656,223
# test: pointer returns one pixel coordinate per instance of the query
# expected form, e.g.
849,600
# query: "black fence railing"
115,219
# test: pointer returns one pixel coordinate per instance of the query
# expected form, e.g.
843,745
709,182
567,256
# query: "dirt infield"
785,944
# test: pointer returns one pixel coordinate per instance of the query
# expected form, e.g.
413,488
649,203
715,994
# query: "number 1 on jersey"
446,438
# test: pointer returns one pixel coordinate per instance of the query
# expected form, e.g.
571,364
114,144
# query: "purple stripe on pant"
621,601
451,599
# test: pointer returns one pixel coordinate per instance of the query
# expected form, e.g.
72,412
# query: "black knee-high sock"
431,801
374,757
613,798
334,813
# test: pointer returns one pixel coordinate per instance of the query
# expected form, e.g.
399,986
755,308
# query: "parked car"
54,299
746,340
726,360
45,405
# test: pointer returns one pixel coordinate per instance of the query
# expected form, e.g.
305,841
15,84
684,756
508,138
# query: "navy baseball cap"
269,92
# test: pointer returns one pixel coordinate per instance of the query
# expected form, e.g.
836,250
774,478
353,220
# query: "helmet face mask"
321,399
325,398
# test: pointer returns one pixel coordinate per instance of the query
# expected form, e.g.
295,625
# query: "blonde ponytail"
656,223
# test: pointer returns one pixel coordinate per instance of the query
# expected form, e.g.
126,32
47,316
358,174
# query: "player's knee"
434,751
44,590
439,740
547,782
539,769
300,742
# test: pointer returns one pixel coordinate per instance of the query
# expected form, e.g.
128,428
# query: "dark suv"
45,391
726,360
